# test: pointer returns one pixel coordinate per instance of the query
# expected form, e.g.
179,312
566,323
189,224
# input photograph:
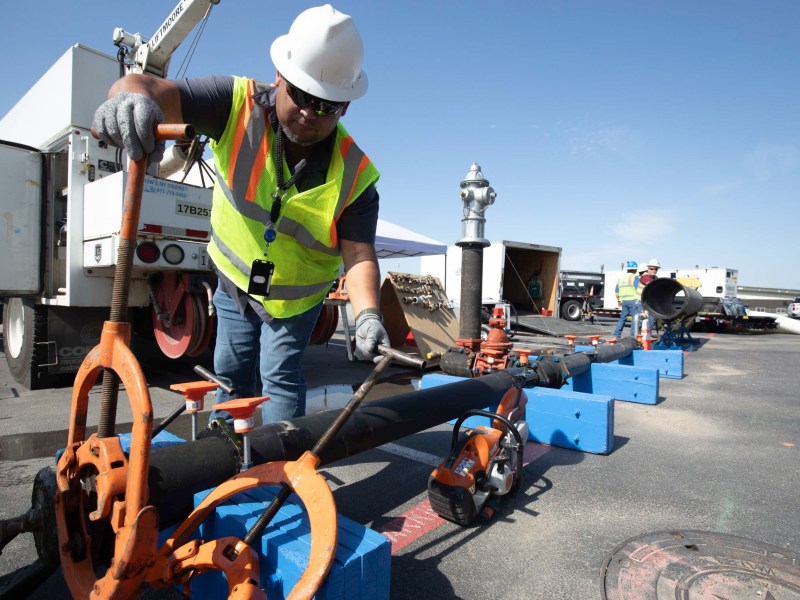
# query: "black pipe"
471,284
668,299
178,472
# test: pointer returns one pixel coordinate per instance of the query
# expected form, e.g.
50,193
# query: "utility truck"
61,195
580,293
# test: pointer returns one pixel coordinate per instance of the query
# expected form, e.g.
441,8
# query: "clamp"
194,392
242,410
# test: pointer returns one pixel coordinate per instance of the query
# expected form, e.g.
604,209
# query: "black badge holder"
260,277
261,271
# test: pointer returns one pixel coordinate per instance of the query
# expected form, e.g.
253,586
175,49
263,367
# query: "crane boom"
153,56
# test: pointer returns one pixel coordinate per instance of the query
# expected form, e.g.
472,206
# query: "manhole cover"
690,565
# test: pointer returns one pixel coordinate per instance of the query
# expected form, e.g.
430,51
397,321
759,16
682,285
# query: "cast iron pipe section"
661,297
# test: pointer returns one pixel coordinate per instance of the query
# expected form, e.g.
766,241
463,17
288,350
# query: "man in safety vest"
628,297
294,198
646,275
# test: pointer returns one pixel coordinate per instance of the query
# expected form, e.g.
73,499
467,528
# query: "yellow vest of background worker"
626,290
306,251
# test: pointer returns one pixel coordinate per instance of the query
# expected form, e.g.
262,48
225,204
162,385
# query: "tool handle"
169,131
408,359
167,420
209,376
389,354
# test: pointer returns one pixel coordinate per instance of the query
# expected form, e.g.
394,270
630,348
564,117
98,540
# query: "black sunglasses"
322,108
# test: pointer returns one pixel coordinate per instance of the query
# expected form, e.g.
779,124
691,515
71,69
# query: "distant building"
768,299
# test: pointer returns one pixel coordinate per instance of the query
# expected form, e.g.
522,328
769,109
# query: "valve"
242,410
524,356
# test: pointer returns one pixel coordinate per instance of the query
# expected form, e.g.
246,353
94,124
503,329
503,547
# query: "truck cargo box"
524,274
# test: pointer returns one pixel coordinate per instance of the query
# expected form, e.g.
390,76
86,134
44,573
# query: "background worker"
294,197
628,297
647,275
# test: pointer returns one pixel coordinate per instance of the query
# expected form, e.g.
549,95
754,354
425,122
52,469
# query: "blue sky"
616,130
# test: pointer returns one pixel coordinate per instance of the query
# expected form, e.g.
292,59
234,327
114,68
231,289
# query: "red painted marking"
533,451
417,521
410,526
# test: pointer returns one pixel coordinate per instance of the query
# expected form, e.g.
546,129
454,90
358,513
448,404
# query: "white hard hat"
653,262
322,55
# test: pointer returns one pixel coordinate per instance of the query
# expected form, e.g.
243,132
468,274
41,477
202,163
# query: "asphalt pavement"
720,452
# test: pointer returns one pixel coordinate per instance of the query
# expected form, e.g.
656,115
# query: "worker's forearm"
162,91
363,286
363,275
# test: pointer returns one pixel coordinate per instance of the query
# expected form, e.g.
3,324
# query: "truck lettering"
192,210
73,352
165,26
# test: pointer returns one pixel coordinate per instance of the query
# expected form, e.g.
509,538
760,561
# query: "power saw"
484,463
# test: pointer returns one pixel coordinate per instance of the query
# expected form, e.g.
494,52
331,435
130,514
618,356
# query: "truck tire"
24,325
571,310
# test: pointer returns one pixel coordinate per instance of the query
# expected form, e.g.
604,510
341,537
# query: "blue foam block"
621,382
569,419
668,362
362,564
564,418
162,440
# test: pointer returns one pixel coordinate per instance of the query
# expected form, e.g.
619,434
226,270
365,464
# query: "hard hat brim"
280,54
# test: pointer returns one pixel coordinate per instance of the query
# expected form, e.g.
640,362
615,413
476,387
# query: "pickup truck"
793,310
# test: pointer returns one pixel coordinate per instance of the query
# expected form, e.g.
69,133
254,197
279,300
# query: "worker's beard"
295,139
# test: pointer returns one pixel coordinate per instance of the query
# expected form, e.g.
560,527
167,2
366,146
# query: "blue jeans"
251,356
629,307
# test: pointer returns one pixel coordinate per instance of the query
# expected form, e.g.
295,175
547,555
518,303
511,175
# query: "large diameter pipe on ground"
670,300
180,471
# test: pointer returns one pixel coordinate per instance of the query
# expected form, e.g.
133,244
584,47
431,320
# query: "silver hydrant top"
477,196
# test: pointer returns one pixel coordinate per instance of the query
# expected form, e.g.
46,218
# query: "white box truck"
522,274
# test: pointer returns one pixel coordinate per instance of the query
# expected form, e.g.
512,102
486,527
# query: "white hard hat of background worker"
653,262
322,54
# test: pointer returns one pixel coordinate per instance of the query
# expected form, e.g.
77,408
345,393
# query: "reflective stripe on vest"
306,263
627,291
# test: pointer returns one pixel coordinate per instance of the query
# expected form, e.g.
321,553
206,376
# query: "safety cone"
647,341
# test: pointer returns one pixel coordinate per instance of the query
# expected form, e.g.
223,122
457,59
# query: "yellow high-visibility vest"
626,290
306,251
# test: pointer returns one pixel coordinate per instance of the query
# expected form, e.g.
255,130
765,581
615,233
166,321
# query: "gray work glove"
128,120
369,335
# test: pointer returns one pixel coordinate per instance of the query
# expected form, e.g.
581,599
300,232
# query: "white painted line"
416,455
